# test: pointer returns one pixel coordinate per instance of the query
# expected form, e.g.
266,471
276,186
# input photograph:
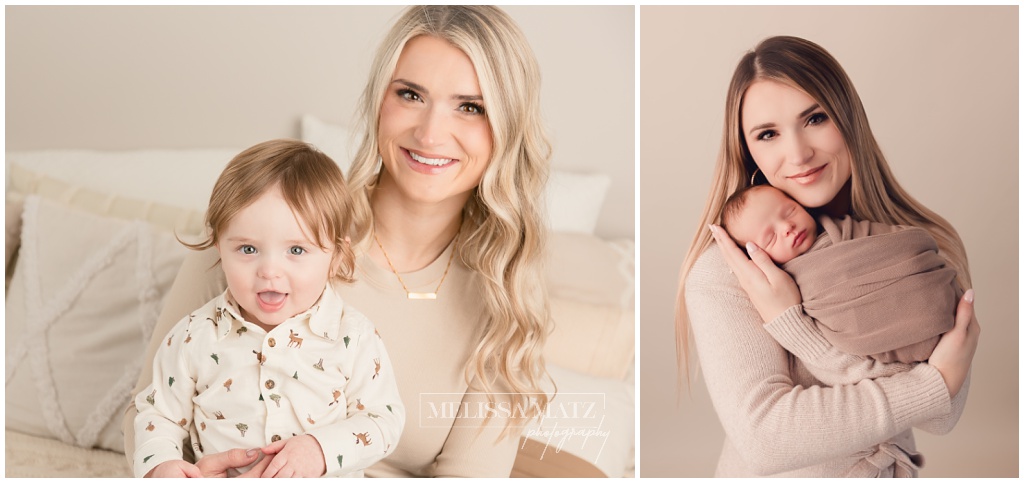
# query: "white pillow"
573,200
79,314
334,140
590,417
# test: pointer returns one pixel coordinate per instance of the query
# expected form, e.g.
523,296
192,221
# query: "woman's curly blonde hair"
503,231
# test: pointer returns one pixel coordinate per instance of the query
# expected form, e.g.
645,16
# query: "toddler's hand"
175,469
298,457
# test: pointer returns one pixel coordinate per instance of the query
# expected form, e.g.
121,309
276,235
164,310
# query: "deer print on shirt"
363,438
376,369
336,393
260,357
294,339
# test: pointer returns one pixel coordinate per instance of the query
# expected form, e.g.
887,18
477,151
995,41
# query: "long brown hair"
875,193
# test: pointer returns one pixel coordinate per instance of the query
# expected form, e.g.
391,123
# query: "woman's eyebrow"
411,85
761,126
809,110
802,114
423,90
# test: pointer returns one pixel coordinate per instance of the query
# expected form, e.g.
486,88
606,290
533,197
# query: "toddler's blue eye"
247,249
296,250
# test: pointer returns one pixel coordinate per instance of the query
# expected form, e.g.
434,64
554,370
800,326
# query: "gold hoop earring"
752,176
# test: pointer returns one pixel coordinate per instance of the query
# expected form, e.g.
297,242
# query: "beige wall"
940,85
175,77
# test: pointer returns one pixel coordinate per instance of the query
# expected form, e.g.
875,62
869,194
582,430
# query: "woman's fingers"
953,354
761,259
734,257
257,470
218,464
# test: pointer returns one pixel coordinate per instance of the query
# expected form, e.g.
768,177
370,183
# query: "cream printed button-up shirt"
222,383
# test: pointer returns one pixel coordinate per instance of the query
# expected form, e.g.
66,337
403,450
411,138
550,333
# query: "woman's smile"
428,163
809,176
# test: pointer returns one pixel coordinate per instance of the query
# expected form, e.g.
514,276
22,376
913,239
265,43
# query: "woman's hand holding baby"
770,289
953,354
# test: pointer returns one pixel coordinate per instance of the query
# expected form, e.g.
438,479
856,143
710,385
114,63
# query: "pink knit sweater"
781,417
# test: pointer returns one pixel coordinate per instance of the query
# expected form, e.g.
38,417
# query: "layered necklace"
420,295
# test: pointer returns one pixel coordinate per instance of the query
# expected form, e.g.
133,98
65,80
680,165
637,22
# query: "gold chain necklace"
420,295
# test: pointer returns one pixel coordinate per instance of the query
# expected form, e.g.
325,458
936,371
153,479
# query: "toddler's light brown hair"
311,182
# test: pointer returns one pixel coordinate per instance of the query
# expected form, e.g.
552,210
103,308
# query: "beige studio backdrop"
119,77
940,85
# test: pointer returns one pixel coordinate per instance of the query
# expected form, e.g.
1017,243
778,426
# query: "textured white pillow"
80,311
590,417
573,200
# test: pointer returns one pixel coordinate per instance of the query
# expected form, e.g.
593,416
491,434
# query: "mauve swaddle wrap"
877,290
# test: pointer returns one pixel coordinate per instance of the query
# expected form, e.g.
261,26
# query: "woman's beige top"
429,342
782,420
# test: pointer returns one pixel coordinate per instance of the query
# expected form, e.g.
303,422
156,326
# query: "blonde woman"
446,185
795,121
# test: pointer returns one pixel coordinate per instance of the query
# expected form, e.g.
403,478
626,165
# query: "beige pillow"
178,219
34,457
80,311
592,339
585,268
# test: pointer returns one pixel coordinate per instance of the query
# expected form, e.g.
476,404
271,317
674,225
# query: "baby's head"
771,220
278,216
